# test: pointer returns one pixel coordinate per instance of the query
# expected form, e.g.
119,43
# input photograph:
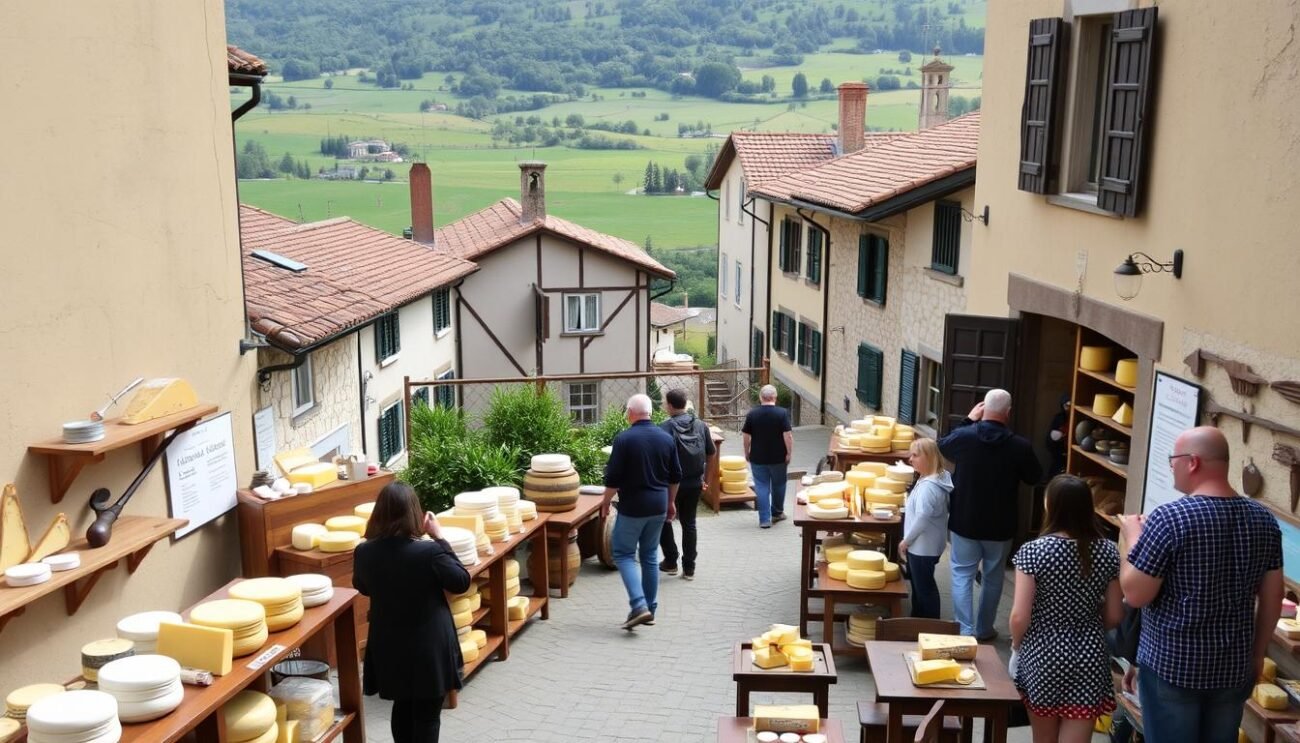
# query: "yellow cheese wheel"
892,572
887,499
838,570
1126,372
866,579
249,714
865,424
462,619
819,490
866,560
459,606
883,420
859,478
732,462
469,650
479,637
879,495
1105,404
735,488
347,523
269,592
875,468
338,541
231,614
874,441
1095,358
837,552
891,485
740,475
512,570
363,510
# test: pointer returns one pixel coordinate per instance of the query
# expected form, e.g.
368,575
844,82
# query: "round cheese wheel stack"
250,715
468,650
81,716
27,574
142,629
512,568
146,686
19,700
496,529
868,580
735,487
463,618
552,490
861,625
508,505
1095,358
350,523
838,570
901,472
245,619
476,503
479,637
1126,372
740,475
307,536
462,543
892,572
363,511
316,589
282,599
337,541
512,590
860,479
874,443
95,655
836,512
527,510
837,552
732,462
865,560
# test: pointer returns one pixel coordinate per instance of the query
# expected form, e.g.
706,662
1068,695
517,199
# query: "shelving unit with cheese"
715,495
537,584
1103,393
814,583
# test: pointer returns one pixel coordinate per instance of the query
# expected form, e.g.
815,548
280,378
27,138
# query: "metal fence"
721,395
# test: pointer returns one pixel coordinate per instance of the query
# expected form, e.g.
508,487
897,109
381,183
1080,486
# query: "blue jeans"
1173,714
769,486
640,578
990,557
925,592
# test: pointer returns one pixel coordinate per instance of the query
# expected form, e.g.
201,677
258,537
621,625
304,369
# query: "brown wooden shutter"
1127,99
1044,79
979,354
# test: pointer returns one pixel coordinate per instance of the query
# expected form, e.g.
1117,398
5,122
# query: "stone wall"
338,396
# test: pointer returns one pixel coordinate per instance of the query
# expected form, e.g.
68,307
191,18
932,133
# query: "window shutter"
862,265
776,331
909,370
788,335
1127,97
880,271
1045,72
870,363
816,362
796,246
783,255
757,360
801,356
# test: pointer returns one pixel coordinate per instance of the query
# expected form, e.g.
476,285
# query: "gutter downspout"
254,82
767,270
754,219
460,361
826,306
250,81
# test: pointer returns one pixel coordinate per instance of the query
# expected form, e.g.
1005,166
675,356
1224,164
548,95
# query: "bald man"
1206,570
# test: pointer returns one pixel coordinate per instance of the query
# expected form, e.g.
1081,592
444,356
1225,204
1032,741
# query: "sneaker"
636,617
650,622
778,517
990,637
765,526
688,576
668,568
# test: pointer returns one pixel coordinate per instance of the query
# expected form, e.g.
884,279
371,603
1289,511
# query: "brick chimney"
532,191
421,185
853,117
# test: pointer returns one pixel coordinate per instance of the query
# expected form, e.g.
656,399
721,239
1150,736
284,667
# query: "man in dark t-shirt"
769,443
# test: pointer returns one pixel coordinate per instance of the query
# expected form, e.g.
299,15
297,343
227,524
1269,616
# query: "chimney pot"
532,191
421,186
853,117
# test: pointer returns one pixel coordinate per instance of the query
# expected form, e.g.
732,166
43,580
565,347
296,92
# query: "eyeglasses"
1172,457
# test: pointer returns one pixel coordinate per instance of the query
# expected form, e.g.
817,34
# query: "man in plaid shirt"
1206,570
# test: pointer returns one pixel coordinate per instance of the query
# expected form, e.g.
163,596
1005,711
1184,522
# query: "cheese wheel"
740,475
249,714
893,500
479,637
143,627
63,561
95,655
347,523
865,560
838,570
901,472
469,650
875,468
512,570
860,478
837,552
8,729
20,699
890,484
459,606
829,513
551,463
831,489
73,714
866,579
732,462
863,424
363,510
1105,404
874,441
883,420
462,619
269,592
1095,358
1126,372
892,572
231,614
338,541
735,488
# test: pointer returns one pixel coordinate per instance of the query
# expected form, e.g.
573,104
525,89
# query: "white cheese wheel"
63,561
139,673
27,574
305,535
249,714
901,472
310,582
143,627
829,513
71,714
551,462
865,560
346,523
882,513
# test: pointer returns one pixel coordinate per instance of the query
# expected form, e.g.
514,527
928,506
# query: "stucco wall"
123,260
745,242
794,295
334,373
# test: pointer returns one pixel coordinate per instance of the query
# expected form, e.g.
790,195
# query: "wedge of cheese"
1289,628
158,398
939,671
934,646
56,538
14,546
769,657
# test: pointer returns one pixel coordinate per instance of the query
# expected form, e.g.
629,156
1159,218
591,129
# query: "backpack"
691,446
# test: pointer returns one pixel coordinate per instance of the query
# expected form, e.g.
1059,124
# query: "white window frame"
739,271
726,200
584,324
300,377
722,282
439,332
740,205
929,396
581,413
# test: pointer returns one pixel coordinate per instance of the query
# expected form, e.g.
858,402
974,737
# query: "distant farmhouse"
372,150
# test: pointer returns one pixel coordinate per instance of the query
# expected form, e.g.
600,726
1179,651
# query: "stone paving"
577,676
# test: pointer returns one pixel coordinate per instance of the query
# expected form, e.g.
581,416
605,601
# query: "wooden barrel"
605,545
571,555
552,491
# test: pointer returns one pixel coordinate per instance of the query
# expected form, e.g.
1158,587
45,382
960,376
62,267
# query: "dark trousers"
925,592
688,502
416,720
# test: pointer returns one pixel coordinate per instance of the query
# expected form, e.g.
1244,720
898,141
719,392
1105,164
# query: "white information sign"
201,476
264,438
1175,407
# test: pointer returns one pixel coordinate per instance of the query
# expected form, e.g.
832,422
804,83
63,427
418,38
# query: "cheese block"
195,646
801,662
867,580
1095,358
875,468
866,560
287,731
837,552
469,523
1270,696
249,714
306,536
1105,404
1289,628
784,633
158,398
1123,416
838,570
901,473
892,572
732,462
797,646
937,671
769,657
14,547
346,523
316,475
57,537
787,718
959,647
890,485
1269,674
338,541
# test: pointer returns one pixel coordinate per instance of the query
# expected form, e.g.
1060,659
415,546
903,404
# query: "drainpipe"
254,82
460,361
250,81
826,303
361,380
767,270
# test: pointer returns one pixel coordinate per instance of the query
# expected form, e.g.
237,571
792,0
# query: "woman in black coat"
412,653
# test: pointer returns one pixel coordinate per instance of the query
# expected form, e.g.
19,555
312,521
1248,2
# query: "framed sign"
1175,407
1290,527
201,477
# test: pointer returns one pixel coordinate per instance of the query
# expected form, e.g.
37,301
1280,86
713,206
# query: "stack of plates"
146,687
27,574
477,504
74,717
462,542
282,599
246,619
508,504
317,589
95,655
82,432
250,718
19,700
527,510
496,529
142,629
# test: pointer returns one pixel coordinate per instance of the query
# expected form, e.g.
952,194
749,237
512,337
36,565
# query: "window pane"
572,312
591,316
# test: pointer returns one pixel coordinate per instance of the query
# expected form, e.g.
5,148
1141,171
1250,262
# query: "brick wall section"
338,396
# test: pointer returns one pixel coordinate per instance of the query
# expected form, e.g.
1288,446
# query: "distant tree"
296,69
618,180
693,163
329,83
904,56
389,174
712,79
648,186
827,86
574,121
658,180
769,84
304,170
799,85
363,173
291,103
287,165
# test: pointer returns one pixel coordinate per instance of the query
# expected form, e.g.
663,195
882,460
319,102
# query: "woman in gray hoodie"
925,525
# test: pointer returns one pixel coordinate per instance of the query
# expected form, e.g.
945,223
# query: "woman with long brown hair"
412,654
1067,596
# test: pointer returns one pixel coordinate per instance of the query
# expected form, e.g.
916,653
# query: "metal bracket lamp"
1128,276
970,216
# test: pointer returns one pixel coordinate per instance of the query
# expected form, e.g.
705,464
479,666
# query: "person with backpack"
694,447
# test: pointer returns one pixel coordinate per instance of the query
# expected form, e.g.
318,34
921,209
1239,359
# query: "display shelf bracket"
75,593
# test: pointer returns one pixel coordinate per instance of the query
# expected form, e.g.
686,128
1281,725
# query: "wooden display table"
561,526
1261,724
833,591
843,459
750,678
739,729
713,494
1288,732
810,527
894,687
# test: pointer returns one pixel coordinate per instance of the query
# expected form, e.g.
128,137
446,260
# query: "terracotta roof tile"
853,183
240,61
765,156
498,225
662,315
354,274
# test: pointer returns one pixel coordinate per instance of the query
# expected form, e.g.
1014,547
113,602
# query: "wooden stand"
809,587
1086,386
713,494
560,527
750,678
832,591
843,459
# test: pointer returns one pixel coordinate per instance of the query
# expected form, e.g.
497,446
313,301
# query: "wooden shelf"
485,654
1105,420
133,537
477,616
1108,378
65,461
1099,460
535,604
333,731
1109,518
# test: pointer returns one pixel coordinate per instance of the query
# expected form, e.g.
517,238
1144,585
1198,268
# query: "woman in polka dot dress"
1067,596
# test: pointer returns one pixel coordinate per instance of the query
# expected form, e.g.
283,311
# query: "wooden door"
979,354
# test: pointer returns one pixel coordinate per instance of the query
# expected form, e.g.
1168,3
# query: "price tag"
265,657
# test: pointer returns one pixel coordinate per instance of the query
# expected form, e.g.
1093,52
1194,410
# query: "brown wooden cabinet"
1083,458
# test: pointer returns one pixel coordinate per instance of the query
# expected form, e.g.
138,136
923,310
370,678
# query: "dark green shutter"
776,331
759,350
862,265
390,433
880,270
909,369
783,259
870,364
421,395
816,361
801,356
815,256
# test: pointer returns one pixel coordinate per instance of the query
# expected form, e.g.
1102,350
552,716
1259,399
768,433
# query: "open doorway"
1045,376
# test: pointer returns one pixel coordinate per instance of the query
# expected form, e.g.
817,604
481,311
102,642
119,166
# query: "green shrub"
528,422
446,458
